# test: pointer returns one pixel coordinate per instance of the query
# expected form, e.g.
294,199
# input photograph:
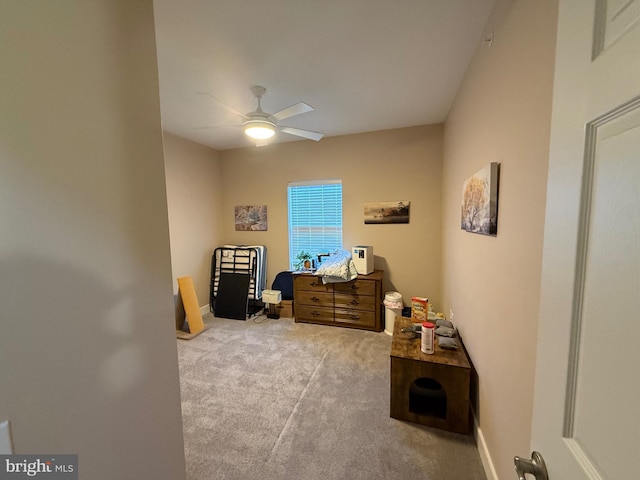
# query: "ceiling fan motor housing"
259,126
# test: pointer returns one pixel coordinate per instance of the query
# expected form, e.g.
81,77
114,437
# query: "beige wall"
401,164
502,114
89,362
194,198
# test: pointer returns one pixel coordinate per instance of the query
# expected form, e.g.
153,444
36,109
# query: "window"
315,218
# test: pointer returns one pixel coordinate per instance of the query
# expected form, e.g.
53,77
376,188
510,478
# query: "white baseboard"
205,309
485,456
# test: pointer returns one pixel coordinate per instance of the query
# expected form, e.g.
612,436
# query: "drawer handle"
315,313
314,284
315,299
354,302
355,317
354,287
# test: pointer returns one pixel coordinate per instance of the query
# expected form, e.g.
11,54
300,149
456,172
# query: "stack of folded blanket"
337,267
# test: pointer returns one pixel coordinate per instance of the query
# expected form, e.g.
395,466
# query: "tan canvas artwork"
480,201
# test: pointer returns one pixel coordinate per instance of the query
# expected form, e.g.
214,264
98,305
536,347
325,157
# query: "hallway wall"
502,113
89,362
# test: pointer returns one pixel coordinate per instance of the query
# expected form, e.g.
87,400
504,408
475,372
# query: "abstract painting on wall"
480,201
386,212
251,218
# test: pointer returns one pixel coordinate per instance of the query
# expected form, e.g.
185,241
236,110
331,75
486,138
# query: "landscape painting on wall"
251,218
386,212
480,201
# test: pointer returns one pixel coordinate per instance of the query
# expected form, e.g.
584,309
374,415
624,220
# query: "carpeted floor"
285,400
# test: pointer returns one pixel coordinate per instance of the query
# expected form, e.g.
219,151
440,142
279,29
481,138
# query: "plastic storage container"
427,342
392,309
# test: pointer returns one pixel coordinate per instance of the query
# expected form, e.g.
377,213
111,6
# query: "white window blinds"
315,218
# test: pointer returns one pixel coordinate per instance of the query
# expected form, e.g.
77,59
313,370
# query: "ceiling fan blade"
228,107
296,109
302,133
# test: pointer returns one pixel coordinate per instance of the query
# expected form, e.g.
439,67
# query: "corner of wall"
483,450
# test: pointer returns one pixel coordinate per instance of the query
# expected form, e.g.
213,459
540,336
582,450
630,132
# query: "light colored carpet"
285,400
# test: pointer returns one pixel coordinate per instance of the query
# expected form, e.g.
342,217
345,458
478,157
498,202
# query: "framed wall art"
479,213
386,212
251,218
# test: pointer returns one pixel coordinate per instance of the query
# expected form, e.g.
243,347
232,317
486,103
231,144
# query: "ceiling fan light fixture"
259,129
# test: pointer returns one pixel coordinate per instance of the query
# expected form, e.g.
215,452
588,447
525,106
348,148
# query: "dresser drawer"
311,313
320,299
361,287
355,318
311,283
358,302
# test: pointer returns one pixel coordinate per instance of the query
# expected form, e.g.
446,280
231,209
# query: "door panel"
587,388
614,19
604,392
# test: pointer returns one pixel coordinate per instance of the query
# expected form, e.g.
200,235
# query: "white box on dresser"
363,259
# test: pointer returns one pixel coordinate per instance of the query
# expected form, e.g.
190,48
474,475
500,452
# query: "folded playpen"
238,277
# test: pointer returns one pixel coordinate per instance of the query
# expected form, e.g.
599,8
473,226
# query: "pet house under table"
238,278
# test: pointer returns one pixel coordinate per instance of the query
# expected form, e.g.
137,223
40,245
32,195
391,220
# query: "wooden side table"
429,389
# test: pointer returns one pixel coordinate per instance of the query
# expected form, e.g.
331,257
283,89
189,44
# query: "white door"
587,402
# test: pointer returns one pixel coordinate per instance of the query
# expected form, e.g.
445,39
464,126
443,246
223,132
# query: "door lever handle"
535,467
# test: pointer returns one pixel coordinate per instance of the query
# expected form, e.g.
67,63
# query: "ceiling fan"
262,126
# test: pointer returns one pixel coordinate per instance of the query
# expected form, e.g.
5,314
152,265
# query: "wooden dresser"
353,304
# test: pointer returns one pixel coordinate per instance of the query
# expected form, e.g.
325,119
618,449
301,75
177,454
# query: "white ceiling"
364,65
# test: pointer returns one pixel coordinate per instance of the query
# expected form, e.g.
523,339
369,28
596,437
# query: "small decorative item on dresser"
304,261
